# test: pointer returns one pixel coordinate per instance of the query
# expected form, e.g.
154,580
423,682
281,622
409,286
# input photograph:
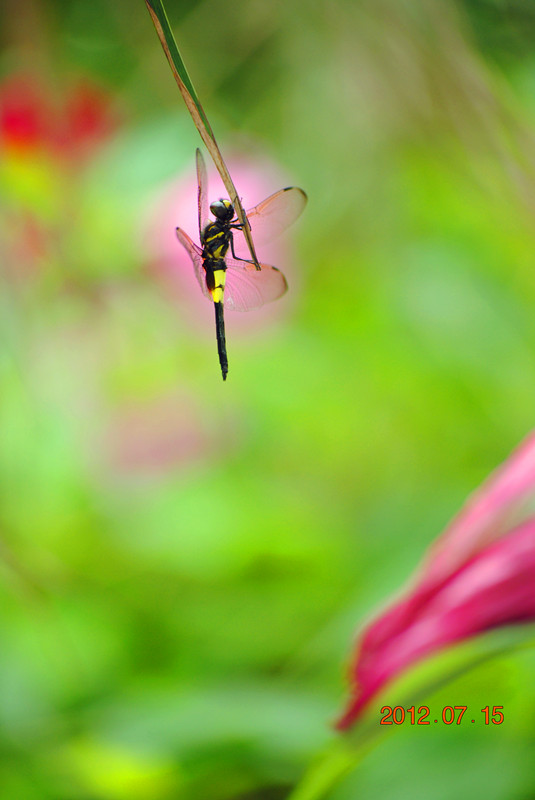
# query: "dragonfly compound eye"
222,210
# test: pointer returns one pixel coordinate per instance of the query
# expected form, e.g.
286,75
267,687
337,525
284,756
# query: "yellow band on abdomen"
219,280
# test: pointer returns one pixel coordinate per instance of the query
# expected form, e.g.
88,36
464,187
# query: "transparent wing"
271,217
202,196
195,253
247,287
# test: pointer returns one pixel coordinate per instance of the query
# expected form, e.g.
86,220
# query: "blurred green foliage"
175,624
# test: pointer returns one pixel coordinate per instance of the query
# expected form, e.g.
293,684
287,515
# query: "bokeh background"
184,563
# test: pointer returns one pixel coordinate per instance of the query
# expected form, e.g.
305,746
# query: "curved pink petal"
411,628
493,509
494,588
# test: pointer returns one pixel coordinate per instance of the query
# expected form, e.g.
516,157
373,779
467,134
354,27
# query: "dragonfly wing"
247,287
195,253
271,217
202,196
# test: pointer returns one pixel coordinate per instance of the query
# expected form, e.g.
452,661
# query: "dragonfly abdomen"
221,341
215,269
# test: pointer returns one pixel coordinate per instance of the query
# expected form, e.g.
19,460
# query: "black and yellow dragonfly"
233,282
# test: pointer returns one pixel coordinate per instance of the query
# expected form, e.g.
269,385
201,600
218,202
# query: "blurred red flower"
33,119
479,575
47,137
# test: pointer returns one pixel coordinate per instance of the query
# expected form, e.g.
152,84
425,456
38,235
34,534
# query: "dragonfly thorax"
223,210
215,240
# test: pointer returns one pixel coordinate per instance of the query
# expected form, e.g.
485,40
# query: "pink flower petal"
497,505
479,575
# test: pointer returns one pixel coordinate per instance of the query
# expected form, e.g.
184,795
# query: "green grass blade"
187,90
165,34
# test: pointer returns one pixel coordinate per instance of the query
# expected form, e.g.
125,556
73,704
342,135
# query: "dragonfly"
231,281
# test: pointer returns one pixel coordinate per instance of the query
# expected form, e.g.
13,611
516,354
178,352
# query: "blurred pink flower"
480,574
148,439
176,205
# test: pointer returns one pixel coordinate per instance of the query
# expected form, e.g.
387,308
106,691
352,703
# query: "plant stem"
165,34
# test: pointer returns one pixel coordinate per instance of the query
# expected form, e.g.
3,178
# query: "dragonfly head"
223,210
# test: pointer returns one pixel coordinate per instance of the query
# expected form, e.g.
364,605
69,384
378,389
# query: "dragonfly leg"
247,260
